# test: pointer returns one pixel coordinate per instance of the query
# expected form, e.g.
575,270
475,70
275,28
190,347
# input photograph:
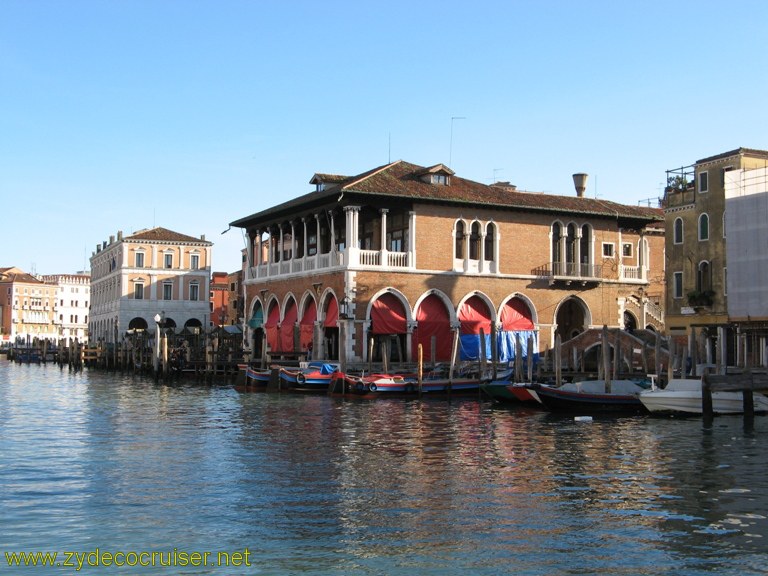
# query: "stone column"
481,252
383,246
353,235
411,326
577,252
412,239
293,245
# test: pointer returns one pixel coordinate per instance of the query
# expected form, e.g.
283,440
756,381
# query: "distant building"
698,252
219,298
71,305
155,272
235,313
26,308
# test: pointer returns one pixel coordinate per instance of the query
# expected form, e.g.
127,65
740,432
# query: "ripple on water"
322,486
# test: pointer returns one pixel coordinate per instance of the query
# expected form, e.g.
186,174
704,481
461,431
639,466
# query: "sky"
120,115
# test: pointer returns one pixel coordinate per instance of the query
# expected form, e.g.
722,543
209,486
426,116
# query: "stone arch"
389,318
572,317
434,316
137,323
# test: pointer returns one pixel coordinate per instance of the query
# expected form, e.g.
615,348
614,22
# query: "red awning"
388,316
474,315
271,327
286,327
516,316
433,320
332,314
307,325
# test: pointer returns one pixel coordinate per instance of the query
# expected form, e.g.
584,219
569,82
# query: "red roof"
402,180
162,235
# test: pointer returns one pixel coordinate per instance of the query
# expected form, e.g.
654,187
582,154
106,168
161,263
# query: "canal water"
94,463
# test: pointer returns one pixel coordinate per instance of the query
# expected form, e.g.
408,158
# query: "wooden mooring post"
747,383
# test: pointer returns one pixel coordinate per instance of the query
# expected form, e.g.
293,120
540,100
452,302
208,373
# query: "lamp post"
158,318
344,308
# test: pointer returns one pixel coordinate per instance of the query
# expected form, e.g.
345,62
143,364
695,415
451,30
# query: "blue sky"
122,115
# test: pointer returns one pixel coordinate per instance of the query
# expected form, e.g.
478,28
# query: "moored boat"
590,397
394,386
256,380
522,393
683,396
316,377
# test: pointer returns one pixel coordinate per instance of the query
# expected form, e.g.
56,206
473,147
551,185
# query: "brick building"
219,299
404,255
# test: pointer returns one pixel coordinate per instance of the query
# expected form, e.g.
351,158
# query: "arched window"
704,227
557,255
704,277
678,231
489,242
459,239
586,250
474,241
570,250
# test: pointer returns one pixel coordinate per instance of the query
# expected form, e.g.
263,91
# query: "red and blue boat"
405,386
316,377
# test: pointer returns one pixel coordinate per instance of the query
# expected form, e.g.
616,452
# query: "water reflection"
319,485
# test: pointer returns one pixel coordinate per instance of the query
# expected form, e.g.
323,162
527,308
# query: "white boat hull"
688,401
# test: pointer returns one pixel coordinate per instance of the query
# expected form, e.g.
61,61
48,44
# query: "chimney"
119,235
580,182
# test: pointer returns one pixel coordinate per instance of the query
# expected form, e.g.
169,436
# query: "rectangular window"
677,285
139,259
311,244
169,260
607,250
138,292
194,292
626,250
167,291
194,261
725,281
703,182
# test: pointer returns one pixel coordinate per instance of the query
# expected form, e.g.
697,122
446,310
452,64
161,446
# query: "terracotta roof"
163,235
401,179
327,178
16,275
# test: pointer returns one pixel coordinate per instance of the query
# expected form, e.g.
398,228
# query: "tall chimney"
580,182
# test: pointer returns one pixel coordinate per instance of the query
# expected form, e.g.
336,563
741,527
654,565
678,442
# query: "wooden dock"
747,383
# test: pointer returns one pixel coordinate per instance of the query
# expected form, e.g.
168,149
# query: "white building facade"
149,273
71,305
